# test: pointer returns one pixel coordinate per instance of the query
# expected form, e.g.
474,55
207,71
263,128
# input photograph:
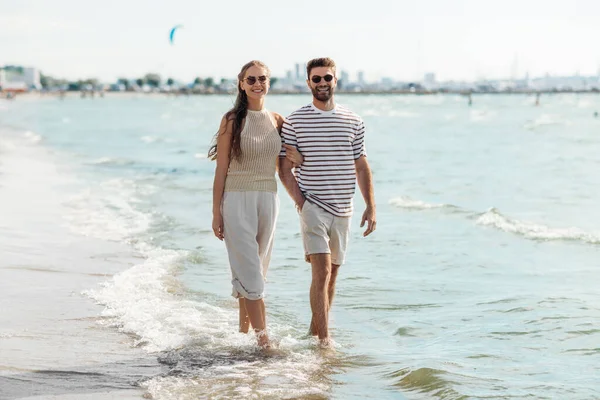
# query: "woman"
245,203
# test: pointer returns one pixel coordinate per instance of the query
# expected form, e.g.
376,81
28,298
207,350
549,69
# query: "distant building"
387,83
298,69
361,77
343,79
344,76
19,78
31,77
429,78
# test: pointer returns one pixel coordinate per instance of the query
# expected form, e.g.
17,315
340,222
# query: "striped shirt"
330,142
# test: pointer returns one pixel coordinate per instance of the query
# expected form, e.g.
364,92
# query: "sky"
402,40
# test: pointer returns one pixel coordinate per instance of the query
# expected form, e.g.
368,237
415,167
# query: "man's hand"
300,205
371,220
292,154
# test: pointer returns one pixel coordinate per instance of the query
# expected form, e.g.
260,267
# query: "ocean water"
480,282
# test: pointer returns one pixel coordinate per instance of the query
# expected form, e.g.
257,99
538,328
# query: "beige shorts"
249,228
323,232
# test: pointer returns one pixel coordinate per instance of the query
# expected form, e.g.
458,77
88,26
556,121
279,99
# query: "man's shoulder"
344,112
304,111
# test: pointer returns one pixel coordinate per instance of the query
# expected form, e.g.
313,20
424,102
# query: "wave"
428,381
495,219
531,230
32,137
151,139
545,120
150,304
111,161
156,139
407,202
107,211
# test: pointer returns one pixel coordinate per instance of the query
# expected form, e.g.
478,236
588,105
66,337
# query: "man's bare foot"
326,343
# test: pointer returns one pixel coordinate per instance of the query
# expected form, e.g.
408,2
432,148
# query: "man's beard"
322,96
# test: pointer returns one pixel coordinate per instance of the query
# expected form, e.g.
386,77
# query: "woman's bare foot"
263,339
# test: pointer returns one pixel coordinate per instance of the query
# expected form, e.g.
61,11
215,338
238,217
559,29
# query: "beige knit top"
260,145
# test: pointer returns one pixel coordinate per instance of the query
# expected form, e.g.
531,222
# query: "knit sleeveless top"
260,145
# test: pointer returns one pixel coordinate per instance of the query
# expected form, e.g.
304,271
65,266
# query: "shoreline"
127,94
53,341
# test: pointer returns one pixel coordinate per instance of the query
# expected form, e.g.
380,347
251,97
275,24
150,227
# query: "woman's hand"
292,154
217,226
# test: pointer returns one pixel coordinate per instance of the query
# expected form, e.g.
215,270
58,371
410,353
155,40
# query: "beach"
52,340
480,281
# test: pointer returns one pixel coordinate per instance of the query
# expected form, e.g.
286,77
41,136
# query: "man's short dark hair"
319,62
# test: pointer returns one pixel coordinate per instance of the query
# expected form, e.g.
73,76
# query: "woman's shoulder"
227,123
278,118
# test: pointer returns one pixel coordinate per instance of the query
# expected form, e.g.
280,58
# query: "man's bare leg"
244,318
256,312
330,295
319,297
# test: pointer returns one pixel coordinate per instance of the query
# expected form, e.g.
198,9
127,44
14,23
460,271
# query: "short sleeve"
288,136
358,145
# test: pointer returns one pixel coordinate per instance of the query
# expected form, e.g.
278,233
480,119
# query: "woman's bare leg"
256,312
244,318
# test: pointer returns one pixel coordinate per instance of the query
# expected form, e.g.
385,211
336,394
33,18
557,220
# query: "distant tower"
344,77
298,71
429,79
361,77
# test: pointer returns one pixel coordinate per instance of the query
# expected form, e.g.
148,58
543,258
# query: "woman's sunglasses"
317,78
251,80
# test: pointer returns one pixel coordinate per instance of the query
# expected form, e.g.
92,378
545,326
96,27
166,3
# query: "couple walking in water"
319,152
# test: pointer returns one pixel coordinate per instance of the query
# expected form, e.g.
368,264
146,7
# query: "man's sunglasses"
251,80
317,78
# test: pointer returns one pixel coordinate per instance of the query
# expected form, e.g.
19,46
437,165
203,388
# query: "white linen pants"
249,228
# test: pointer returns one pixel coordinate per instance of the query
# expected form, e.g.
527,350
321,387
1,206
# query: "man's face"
321,89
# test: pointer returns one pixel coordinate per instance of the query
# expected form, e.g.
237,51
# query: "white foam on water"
32,136
584,103
200,156
407,202
111,161
150,139
546,120
148,303
106,211
531,230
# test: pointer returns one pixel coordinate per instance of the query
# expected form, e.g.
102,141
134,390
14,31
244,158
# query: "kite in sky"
172,34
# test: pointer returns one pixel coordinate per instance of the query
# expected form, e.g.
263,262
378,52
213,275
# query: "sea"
481,281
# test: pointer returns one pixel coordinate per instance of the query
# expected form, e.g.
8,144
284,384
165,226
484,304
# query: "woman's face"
255,82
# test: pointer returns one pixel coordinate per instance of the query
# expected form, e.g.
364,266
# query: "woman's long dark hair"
237,114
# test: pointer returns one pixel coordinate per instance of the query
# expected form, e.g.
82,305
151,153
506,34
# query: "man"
331,139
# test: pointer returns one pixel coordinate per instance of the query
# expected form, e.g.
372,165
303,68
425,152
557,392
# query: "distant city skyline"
400,40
